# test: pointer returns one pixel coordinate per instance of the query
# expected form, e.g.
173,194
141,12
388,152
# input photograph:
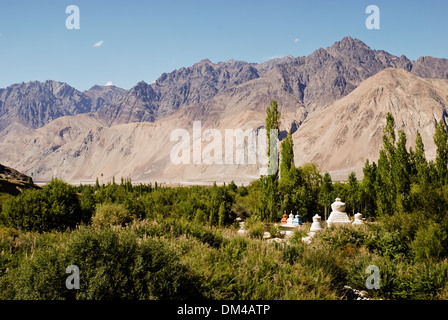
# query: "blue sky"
143,39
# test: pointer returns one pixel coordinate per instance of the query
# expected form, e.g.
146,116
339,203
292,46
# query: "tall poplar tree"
269,202
420,162
326,193
386,190
353,192
368,187
441,162
287,156
272,123
401,171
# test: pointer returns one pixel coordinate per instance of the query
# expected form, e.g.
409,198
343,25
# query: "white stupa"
317,224
358,219
338,215
109,83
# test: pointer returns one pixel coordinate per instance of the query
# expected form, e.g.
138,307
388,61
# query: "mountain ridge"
328,100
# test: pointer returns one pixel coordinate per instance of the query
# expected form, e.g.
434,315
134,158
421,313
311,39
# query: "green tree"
56,206
110,214
272,123
326,195
401,172
441,162
430,242
222,214
385,184
420,162
269,200
311,180
368,188
287,156
353,192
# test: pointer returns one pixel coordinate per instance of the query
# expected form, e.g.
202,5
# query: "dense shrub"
430,243
112,265
109,214
56,206
338,238
256,230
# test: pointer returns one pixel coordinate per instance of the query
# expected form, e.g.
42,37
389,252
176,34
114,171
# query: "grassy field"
179,259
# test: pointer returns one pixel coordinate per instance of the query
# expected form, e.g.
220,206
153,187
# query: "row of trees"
403,179
59,205
300,190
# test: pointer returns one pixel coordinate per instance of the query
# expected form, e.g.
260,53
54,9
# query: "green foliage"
178,243
353,193
342,237
420,164
368,188
430,243
110,214
275,231
256,230
222,214
56,206
326,194
200,216
441,162
287,156
272,123
268,205
112,264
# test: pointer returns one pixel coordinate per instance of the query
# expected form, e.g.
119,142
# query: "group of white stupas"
338,216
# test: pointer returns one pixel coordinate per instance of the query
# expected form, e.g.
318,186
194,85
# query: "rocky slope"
12,182
35,103
342,136
104,96
334,101
198,83
315,81
338,138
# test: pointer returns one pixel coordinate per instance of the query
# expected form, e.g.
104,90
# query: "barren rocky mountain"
35,103
342,136
333,101
330,74
104,96
315,81
198,83
338,138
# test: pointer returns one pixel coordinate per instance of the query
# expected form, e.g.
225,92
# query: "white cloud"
296,40
98,44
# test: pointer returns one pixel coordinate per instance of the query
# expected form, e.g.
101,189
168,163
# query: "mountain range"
334,101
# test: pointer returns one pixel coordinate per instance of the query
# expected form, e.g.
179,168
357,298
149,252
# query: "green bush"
235,248
430,243
56,206
292,252
200,216
110,214
340,237
256,230
275,231
112,265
